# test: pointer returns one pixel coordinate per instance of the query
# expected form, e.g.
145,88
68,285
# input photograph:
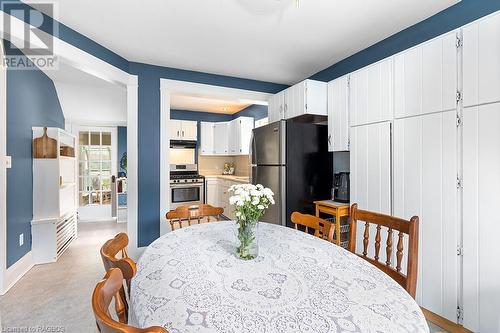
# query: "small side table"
337,209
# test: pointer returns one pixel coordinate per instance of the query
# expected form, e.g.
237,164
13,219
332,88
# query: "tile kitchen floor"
58,295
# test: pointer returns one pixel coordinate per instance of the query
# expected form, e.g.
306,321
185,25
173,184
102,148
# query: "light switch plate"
8,162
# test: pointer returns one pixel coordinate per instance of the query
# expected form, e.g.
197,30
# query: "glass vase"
247,234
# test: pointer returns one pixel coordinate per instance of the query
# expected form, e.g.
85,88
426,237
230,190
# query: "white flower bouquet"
250,202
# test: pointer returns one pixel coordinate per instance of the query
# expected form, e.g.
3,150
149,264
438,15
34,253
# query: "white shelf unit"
53,227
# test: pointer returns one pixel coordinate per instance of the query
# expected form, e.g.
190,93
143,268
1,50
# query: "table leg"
337,227
317,210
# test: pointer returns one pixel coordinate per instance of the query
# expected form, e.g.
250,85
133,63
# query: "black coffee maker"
341,187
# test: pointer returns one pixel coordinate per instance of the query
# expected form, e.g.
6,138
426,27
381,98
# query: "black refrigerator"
291,158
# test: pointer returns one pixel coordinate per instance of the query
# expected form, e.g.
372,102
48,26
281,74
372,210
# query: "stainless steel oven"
186,187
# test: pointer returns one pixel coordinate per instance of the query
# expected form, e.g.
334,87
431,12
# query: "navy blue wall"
255,111
122,144
454,17
31,101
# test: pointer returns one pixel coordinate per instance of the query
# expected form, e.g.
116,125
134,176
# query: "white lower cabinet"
481,227
217,194
425,172
212,190
371,172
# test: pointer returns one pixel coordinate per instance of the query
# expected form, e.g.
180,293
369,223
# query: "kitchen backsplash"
241,165
213,165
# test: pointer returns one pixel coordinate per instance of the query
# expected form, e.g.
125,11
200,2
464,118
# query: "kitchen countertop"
239,179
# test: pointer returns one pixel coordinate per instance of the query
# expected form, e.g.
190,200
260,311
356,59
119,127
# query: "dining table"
190,280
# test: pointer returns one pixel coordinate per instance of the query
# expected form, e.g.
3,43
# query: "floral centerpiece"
250,202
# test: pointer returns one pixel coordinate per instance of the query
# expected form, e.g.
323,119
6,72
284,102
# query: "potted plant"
250,202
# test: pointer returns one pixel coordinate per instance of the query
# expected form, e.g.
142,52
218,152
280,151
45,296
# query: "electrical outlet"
8,162
21,239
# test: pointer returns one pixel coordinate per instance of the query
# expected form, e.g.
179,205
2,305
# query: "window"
95,168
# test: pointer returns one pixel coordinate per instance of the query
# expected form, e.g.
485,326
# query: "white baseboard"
17,271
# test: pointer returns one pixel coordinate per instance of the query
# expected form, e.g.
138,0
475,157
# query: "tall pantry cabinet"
424,140
481,174
425,165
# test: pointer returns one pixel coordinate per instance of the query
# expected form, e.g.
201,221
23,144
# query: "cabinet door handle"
177,133
329,139
182,133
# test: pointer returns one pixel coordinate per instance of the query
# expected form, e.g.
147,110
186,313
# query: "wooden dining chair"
408,227
109,252
198,213
104,292
322,228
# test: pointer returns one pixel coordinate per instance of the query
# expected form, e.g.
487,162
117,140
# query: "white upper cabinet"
183,130
338,114
189,130
306,97
175,129
240,131
276,107
481,61
207,138
234,137
371,92
426,77
221,131
226,138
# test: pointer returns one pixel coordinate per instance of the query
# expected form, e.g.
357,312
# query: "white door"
426,77
481,61
295,100
97,159
207,138
189,130
276,106
338,113
212,197
371,172
425,171
234,137
175,128
246,127
370,93
481,227
221,131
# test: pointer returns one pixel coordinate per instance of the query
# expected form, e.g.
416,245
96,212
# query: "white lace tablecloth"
191,281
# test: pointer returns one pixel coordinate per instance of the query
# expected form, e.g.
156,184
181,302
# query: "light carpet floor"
57,296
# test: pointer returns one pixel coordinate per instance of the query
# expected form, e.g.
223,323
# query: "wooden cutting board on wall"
44,147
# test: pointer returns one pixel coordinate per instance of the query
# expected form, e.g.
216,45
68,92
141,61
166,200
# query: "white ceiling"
269,40
88,100
206,104
192,96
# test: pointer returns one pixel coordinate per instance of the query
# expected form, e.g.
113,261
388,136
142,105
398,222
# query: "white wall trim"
3,171
15,272
164,158
132,165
